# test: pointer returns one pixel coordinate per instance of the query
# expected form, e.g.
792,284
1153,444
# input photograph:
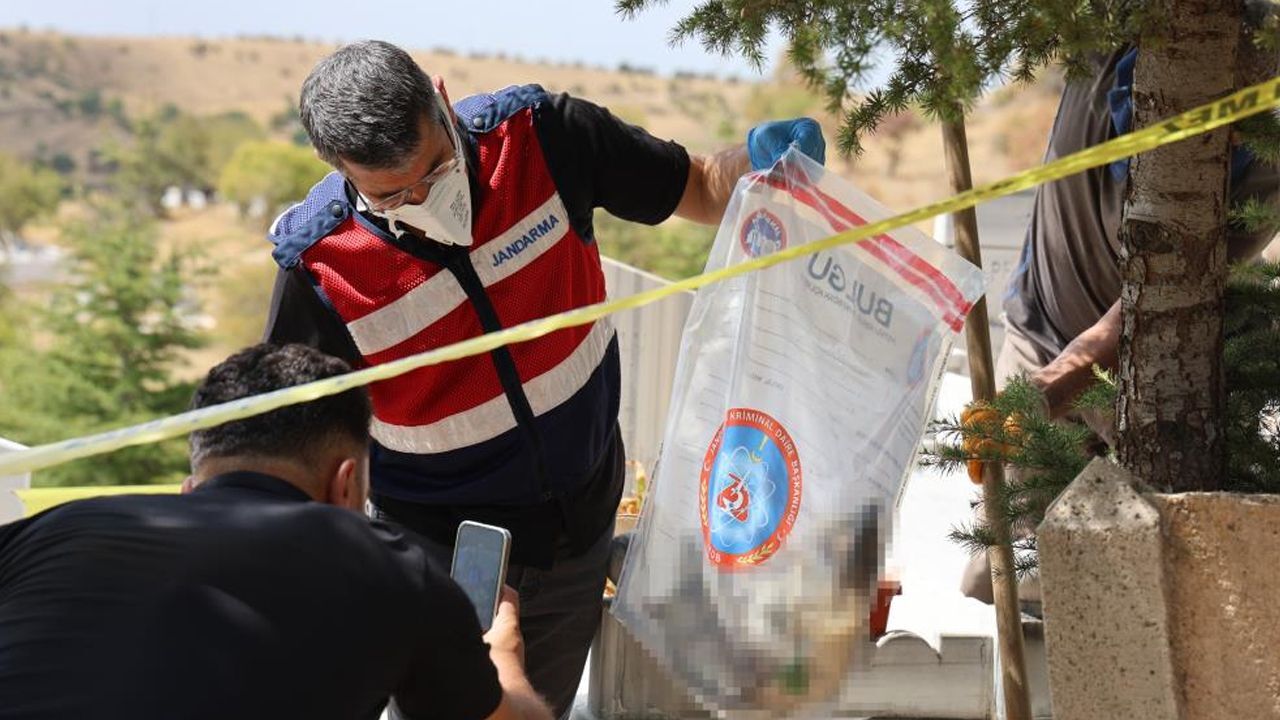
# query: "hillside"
72,94
66,93
65,99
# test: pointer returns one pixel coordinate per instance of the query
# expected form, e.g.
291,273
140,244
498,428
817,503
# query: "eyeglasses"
400,197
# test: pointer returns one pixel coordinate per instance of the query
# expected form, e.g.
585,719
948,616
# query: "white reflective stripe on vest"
501,257
492,418
405,317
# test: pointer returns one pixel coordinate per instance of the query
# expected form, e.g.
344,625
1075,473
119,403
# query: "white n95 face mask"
445,214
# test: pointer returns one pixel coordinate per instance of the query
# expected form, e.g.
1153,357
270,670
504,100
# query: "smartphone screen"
480,565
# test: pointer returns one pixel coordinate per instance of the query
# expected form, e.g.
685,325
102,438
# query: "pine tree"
28,193
104,351
942,54
269,171
1251,358
1047,455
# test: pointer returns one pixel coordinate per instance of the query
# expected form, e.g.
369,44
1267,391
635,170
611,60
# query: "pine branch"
942,54
1266,34
1044,457
1251,358
1101,395
1261,134
1255,216
974,538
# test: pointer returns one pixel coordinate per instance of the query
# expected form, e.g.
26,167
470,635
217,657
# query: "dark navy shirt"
243,599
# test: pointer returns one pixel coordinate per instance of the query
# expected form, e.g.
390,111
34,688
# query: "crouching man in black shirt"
262,592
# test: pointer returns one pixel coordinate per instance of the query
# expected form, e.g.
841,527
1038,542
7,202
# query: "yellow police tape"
1237,106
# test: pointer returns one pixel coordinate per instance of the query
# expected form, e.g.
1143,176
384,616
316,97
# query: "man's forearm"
515,684
710,184
1071,373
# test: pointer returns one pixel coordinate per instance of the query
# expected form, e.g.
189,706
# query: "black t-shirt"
243,599
596,161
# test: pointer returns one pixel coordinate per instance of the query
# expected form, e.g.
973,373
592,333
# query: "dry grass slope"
63,94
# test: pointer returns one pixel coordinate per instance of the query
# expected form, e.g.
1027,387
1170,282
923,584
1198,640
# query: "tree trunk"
1174,258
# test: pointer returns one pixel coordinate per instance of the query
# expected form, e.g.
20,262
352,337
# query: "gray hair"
364,103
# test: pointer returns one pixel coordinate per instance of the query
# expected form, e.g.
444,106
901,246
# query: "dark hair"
291,432
364,104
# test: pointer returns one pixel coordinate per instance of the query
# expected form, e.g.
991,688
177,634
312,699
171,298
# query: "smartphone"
480,566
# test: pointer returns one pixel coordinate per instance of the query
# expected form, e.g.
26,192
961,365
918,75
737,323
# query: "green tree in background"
26,193
8,324
147,167
271,172
103,352
199,147
226,132
172,148
676,249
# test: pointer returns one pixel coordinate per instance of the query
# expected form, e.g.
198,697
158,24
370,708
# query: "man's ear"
438,82
344,486
188,484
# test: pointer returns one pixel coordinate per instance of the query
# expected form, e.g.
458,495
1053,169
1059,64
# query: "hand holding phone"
505,636
480,566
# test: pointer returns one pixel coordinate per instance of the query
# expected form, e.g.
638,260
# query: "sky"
557,30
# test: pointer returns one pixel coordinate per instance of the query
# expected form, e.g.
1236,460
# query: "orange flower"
978,422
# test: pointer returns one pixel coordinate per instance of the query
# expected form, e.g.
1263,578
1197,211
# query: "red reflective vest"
508,426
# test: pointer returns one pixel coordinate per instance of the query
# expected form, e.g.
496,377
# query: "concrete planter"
1161,606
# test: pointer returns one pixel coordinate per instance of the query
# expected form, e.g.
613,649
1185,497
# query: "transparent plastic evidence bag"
801,396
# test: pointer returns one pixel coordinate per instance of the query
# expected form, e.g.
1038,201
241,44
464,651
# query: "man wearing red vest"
443,223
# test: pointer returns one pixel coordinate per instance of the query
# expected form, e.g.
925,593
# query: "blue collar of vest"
297,228
483,112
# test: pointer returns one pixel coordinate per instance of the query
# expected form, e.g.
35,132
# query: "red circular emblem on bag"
749,496
762,233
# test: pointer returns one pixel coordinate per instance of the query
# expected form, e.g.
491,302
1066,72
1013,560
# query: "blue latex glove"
767,142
